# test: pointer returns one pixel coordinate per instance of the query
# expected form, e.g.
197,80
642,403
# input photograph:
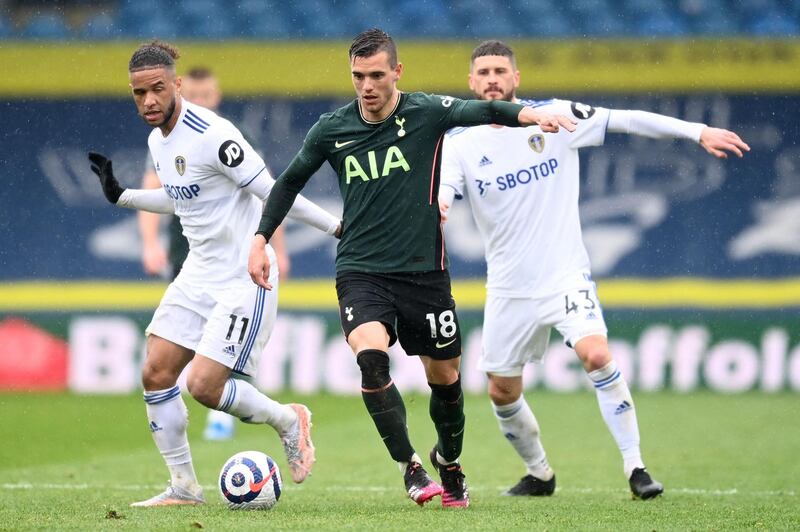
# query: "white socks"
168,418
519,426
243,400
616,406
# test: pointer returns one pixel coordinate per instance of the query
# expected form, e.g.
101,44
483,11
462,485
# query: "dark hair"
370,42
199,73
153,54
493,47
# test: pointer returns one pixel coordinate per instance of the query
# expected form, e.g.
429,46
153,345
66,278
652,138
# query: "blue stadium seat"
603,24
719,24
590,8
528,8
273,25
158,26
662,24
709,17
46,26
641,8
425,18
318,19
6,29
207,27
774,23
138,9
100,27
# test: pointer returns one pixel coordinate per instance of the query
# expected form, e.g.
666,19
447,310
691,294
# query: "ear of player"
101,165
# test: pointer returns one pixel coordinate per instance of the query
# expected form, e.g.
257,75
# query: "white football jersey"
205,165
522,186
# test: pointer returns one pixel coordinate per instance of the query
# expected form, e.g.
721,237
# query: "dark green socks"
384,403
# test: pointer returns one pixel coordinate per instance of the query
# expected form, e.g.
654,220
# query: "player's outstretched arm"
549,123
151,200
258,262
718,142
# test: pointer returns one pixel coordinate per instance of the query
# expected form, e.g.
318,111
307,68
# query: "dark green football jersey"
388,175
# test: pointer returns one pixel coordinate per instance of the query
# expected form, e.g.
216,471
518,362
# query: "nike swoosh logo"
343,144
439,346
256,486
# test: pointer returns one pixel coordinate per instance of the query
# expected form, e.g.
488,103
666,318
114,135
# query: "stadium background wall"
696,259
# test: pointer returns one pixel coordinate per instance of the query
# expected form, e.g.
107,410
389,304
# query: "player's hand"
338,233
443,208
258,263
154,259
547,122
718,142
101,166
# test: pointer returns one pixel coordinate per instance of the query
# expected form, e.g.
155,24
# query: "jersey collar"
378,122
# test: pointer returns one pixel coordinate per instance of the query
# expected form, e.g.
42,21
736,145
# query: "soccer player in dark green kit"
391,267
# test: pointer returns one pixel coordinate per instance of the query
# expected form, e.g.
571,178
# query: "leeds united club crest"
180,164
536,142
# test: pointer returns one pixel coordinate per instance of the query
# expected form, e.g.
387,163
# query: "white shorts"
228,323
517,330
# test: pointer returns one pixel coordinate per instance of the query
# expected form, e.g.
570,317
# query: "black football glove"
101,166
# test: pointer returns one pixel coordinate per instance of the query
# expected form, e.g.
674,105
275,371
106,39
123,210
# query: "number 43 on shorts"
446,325
580,299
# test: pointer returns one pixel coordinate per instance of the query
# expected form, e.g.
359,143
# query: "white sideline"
145,487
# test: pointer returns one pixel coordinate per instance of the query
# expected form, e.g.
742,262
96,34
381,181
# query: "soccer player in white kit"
522,187
215,183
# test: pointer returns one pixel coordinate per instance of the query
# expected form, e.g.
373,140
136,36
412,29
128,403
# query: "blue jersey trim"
253,178
196,118
201,131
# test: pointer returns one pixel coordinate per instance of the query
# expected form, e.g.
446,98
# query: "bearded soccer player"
211,314
391,267
522,187
200,87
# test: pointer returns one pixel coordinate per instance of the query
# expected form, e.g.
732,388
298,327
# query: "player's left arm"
718,142
478,112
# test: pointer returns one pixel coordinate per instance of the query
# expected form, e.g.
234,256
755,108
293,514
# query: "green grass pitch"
727,462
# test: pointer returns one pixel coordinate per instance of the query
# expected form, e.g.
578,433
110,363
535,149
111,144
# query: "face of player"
375,82
203,92
493,77
155,92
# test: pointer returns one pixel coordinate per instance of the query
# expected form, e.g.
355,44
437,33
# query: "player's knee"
374,366
155,377
502,395
503,392
203,391
447,392
596,358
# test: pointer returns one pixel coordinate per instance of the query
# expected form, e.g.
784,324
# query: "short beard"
507,97
168,114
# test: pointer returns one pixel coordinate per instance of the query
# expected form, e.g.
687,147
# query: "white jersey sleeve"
235,157
592,121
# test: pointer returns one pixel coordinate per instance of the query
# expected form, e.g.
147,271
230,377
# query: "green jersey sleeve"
478,112
291,182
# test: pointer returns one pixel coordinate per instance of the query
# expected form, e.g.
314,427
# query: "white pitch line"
379,489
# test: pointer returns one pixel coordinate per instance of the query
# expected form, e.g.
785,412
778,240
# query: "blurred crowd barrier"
681,351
